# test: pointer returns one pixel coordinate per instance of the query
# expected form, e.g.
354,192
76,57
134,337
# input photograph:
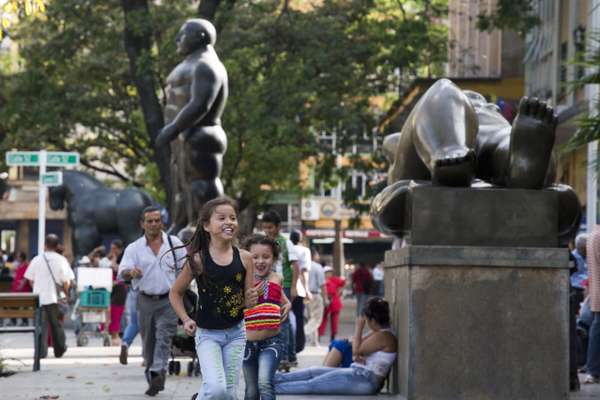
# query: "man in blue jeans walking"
132,328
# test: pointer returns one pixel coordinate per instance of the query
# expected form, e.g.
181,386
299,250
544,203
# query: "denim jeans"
593,355
287,335
328,380
220,354
261,360
132,328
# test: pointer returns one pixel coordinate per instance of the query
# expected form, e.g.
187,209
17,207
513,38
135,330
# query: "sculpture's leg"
205,147
203,191
531,142
443,125
177,213
569,213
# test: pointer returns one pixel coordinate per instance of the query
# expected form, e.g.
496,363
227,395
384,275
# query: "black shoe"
123,355
157,383
60,353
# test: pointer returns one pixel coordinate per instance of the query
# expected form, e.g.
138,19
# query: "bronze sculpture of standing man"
197,90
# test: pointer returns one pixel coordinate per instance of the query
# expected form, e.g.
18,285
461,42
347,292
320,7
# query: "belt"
155,296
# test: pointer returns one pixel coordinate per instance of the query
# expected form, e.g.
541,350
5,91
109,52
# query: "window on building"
8,239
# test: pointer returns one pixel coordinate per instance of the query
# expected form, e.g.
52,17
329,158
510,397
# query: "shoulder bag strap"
56,285
177,271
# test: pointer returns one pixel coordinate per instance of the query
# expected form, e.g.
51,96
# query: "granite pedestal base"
479,323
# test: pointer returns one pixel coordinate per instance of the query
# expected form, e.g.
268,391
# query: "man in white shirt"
151,267
45,272
316,306
304,261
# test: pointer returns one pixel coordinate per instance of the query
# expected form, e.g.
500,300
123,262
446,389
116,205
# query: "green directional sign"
62,159
23,158
53,178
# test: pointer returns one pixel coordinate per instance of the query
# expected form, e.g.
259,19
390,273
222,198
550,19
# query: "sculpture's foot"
454,168
569,213
531,142
388,208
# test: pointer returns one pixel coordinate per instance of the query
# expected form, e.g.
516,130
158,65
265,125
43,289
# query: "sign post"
43,159
42,204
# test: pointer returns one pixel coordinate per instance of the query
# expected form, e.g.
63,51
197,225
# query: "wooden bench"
23,305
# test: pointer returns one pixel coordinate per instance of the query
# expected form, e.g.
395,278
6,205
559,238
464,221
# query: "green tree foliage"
517,15
589,124
296,69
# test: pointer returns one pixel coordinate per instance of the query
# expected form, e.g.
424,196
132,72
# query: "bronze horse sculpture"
94,210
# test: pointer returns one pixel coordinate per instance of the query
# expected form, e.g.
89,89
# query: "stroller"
183,345
92,307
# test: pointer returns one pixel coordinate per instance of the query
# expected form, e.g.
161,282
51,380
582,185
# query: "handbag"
190,299
62,302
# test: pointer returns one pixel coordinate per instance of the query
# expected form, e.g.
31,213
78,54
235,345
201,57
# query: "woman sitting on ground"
374,355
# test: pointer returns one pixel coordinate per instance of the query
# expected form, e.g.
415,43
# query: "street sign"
43,159
62,158
53,178
23,158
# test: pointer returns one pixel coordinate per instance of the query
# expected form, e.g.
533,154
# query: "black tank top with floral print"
221,293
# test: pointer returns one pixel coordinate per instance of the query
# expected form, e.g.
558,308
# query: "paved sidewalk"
94,372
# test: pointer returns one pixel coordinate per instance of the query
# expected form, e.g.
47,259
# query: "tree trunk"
138,45
247,220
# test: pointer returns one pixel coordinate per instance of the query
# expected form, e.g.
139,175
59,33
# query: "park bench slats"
17,313
23,305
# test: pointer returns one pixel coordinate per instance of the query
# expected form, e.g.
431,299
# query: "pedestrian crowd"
253,307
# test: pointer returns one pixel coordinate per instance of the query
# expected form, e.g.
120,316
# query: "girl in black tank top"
225,277
220,293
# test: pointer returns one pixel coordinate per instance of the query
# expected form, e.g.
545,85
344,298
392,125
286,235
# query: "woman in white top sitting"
373,355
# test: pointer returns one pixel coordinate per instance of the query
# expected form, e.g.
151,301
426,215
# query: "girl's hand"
189,326
360,359
251,297
285,310
361,322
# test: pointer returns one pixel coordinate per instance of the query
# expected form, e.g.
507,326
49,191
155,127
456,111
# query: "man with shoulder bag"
152,263
51,275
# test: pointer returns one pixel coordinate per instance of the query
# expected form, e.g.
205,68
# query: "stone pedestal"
479,323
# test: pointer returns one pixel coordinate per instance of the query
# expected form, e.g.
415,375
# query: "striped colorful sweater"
266,314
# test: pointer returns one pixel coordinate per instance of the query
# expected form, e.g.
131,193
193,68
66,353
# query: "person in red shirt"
20,284
334,286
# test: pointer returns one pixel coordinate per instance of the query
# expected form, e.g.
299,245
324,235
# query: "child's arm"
176,298
250,292
286,305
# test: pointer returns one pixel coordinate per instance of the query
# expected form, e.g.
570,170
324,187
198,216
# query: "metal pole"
42,204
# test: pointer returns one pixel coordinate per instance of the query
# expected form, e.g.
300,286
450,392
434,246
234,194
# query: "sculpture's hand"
166,135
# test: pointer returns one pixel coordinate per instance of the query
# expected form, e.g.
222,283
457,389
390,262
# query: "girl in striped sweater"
263,347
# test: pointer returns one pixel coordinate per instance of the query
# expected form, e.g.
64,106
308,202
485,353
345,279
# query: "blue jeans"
593,354
132,328
220,354
328,380
260,363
